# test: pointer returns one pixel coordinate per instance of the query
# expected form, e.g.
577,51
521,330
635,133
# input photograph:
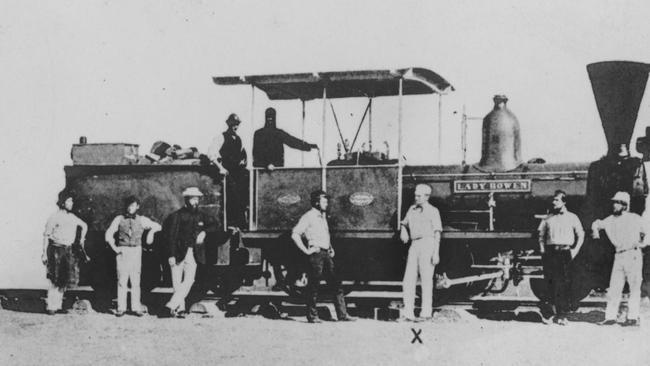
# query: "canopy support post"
302,153
324,142
249,163
439,128
400,160
370,125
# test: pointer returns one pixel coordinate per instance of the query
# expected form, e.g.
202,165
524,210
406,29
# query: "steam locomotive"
490,210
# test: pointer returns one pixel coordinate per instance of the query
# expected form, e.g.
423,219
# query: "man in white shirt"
129,228
62,266
626,232
313,226
423,227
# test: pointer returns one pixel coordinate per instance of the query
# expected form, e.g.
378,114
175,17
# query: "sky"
140,71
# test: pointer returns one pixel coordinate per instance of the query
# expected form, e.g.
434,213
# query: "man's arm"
109,236
437,235
49,228
541,237
84,230
150,225
579,237
595,229
214,154
174,222
295,142
297,233
403,227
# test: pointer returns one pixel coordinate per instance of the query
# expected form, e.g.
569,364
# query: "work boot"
608,322
632,323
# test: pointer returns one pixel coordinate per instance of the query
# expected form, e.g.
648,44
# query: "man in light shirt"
62,266
313,227
560,238
129,228
626,232
422,227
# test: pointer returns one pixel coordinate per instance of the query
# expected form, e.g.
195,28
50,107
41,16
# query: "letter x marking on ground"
416,335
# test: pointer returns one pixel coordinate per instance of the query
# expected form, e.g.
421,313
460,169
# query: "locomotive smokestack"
618,88
501,150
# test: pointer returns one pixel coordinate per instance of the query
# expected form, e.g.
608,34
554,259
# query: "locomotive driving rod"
445,282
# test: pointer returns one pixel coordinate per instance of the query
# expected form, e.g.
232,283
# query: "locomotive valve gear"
423,227
626,232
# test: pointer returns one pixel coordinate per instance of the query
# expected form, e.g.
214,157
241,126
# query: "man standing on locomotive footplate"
560,238
422,226
313,226
625,231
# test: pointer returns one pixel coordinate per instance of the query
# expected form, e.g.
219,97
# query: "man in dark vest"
269,141
228,153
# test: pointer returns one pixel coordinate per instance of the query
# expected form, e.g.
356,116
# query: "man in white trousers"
129,228
626,232
185,234
422,226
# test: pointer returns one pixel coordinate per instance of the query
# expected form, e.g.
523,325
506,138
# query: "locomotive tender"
490,210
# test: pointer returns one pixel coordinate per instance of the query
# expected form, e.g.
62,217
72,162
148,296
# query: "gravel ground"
102,339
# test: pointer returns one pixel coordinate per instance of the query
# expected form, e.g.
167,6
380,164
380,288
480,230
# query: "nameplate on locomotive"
488,186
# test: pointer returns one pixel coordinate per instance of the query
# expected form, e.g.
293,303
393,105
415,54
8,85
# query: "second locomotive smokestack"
501,147
618,88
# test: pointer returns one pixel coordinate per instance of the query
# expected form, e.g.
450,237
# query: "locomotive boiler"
490,210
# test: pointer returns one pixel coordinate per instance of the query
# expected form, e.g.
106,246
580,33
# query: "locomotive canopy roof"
344,84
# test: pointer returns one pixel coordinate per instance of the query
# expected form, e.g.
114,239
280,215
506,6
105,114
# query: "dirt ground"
510,338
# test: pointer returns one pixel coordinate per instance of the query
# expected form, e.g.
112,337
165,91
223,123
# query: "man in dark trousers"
185,231
560,238
228,153
269,141
313,226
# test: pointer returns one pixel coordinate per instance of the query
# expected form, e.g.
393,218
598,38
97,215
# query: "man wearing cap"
314,228
625,231
185,230
422,226
560,238
228,153
62,267
129,228
269,141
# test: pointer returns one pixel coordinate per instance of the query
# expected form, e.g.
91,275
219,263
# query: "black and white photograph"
220,182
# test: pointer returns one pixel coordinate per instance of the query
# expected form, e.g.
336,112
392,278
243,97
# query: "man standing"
62,267
626,232
129,227
422,226
560,238
313,226
185,234
228,153
269,141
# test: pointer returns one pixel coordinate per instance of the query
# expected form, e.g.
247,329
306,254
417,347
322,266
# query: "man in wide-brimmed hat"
59,236
625,231
185,230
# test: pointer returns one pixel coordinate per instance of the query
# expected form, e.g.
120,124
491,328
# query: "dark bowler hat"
233,120
270,112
